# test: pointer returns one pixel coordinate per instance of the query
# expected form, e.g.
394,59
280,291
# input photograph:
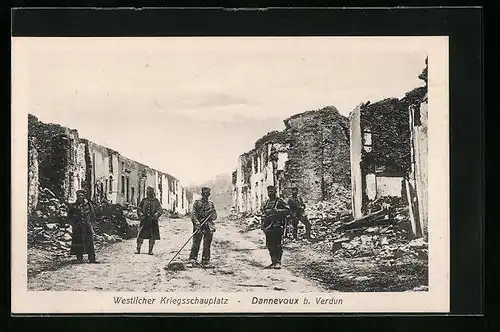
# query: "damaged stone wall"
62,162
103,176
318,154
417,182
51,142
389,154
380,151
77,166
312,153
355,158
61,157
387,121
33,182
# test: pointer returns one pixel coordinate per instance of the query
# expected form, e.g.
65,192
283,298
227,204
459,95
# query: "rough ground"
238,261
239,257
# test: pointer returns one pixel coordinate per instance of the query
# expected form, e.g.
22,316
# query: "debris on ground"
50,233
384,234
380,242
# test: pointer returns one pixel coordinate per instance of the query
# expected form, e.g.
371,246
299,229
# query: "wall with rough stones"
318,154
33,181
312,153
61,161
419,158
380,151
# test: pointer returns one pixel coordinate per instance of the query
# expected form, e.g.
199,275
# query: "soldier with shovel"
203,217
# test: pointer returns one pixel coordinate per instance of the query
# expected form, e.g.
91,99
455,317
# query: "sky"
191,106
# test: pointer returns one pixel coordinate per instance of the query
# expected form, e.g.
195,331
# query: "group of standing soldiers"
275,214
82,217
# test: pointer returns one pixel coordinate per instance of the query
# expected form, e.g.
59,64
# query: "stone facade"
311,154
388,142
33,181
60,156
418,177
62,162
380,152
318,154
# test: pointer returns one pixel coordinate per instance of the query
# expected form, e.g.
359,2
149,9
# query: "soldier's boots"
277,266
206,265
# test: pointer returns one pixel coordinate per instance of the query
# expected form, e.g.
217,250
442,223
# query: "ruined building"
311,153
388,156
380,151
62,162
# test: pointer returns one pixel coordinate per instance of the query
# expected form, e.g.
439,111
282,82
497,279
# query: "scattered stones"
48,226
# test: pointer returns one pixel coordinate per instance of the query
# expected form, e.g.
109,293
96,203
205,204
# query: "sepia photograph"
220,174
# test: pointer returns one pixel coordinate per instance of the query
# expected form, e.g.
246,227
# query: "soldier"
203,210
149,211
81,216
274,211
297,214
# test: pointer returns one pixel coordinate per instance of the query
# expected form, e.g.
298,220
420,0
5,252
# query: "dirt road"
238,257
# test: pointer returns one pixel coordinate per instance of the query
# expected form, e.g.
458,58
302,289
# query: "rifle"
285,233
196,231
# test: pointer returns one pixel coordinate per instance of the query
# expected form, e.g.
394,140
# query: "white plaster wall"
389,186
355,156
33,179
420,143
371,186
282,159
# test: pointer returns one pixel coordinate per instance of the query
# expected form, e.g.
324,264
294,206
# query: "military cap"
205,189
81,191
271,187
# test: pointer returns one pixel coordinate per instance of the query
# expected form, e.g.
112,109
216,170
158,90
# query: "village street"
238,261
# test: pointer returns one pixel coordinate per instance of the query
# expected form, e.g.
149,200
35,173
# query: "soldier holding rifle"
297,207
274,212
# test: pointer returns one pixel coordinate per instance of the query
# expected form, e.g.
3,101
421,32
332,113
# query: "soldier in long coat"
149,211
274,212
81,216
202,217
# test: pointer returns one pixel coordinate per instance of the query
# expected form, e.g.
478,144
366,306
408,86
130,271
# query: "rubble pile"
112,220
252,222
49,229
326,216
130,212
337,206
248,220
384,234
50,208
